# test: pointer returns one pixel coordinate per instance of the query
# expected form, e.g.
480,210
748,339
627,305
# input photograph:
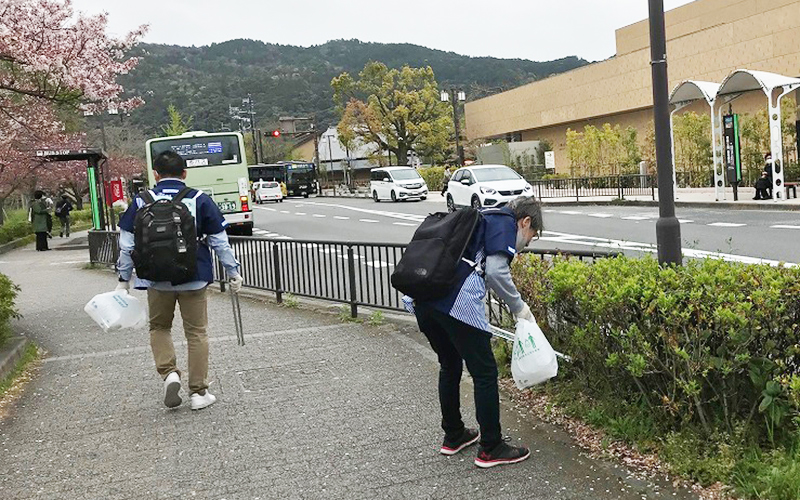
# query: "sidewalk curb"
678,204
20,242
10,354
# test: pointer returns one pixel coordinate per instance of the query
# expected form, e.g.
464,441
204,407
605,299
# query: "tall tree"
51,63
396,110
177,124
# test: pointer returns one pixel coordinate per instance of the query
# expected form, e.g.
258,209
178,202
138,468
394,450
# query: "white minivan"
267,191
397,183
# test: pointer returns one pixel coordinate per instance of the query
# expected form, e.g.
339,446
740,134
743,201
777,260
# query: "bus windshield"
201,151
299,173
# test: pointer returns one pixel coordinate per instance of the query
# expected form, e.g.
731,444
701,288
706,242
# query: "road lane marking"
784,226
265,208
284,211
384,213
299,213
404,224
636,217
685,221
570,212
340,217
378,263
319,216
600,216
726,224
370,221
576,239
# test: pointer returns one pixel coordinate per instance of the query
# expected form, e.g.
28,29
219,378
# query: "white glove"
525,313
124,286
236,283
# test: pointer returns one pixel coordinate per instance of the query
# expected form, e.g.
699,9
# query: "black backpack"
427,270
165,240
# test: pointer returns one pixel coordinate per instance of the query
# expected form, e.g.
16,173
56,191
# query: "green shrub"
8,292
712,342
14,229
698,353
434,177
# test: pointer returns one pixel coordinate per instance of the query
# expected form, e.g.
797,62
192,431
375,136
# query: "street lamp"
668,228
458,96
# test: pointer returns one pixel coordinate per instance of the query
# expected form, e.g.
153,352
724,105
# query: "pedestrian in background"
63,208
170,172
39,216
768,169
447,176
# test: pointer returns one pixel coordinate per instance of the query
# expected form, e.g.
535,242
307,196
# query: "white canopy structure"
685,94
775,88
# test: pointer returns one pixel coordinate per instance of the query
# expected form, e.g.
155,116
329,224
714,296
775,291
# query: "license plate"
226,206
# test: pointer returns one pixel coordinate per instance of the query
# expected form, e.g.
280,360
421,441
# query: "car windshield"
495,174
270,185
405,174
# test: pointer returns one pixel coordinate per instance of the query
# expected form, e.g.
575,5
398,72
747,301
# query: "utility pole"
253,127
458,96
668,228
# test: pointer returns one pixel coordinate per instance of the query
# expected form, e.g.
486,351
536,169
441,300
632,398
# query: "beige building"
706,40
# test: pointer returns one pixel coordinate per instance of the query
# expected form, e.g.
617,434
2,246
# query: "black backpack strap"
183,193
147,197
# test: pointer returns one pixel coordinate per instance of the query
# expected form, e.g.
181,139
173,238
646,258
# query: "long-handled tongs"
237,316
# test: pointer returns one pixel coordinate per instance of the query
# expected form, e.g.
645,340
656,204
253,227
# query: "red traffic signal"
276,133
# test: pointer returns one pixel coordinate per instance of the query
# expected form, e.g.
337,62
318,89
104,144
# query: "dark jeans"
456,342
41,242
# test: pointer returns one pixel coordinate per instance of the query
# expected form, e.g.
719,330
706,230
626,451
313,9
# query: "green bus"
217,165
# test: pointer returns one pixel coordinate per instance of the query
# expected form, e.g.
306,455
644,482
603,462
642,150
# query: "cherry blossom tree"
53,62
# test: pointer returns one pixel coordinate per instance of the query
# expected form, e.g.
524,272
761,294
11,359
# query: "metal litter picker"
237,316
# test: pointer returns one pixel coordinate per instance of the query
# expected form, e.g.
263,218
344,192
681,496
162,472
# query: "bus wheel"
247,230
305,195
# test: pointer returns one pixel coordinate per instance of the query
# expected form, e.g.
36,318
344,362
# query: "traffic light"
276,133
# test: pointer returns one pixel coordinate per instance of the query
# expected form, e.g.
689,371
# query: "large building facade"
706,40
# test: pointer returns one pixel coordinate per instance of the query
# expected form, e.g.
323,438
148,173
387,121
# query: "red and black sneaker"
501,454
467,438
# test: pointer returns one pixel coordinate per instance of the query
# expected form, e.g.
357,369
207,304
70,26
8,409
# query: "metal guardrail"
351,273
615,186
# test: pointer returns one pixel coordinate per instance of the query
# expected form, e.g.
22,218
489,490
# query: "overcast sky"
528,29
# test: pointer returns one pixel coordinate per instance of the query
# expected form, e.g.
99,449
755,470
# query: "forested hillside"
287,80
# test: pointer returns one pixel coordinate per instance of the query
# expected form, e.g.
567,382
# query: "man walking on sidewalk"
458,331
142,241
63,208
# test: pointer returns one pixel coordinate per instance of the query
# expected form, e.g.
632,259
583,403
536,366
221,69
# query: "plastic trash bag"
116,310
533,360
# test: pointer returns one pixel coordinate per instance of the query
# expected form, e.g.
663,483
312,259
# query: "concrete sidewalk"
309,408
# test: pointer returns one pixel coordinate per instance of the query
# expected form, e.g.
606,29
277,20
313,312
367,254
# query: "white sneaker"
199,402
172,388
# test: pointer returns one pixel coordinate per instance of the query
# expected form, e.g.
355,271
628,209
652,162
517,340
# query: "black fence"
614,186
350,273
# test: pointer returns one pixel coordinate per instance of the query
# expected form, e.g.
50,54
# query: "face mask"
522,241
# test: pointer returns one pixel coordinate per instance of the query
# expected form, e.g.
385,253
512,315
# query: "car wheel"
305,195
476,203
394,197
375,197
451,206
281,200
423,198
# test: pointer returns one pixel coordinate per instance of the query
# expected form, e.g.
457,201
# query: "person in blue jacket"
170,172
458,330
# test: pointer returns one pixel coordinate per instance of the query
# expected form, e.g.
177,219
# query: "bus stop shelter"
102,215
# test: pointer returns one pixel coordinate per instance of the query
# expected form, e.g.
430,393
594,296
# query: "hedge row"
17,225
712,343
8,292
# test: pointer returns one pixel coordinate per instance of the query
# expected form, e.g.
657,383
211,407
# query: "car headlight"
528,187
488,190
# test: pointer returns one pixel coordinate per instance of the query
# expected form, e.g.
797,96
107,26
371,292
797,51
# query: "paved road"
309,408
743,235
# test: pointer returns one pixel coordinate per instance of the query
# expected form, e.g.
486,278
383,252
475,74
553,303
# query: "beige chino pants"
194,311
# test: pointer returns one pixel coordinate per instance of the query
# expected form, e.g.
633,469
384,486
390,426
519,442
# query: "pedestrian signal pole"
668,228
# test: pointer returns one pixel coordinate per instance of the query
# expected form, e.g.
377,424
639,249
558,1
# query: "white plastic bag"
116,310
533,361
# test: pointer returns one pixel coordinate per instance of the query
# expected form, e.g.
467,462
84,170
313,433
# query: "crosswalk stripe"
784,226
319,216
371,221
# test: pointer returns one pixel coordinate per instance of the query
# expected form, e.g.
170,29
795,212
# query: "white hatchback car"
267,191
481,186
397,183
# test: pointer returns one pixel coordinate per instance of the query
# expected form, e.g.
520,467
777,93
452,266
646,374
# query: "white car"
397,183
267,191
482,186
